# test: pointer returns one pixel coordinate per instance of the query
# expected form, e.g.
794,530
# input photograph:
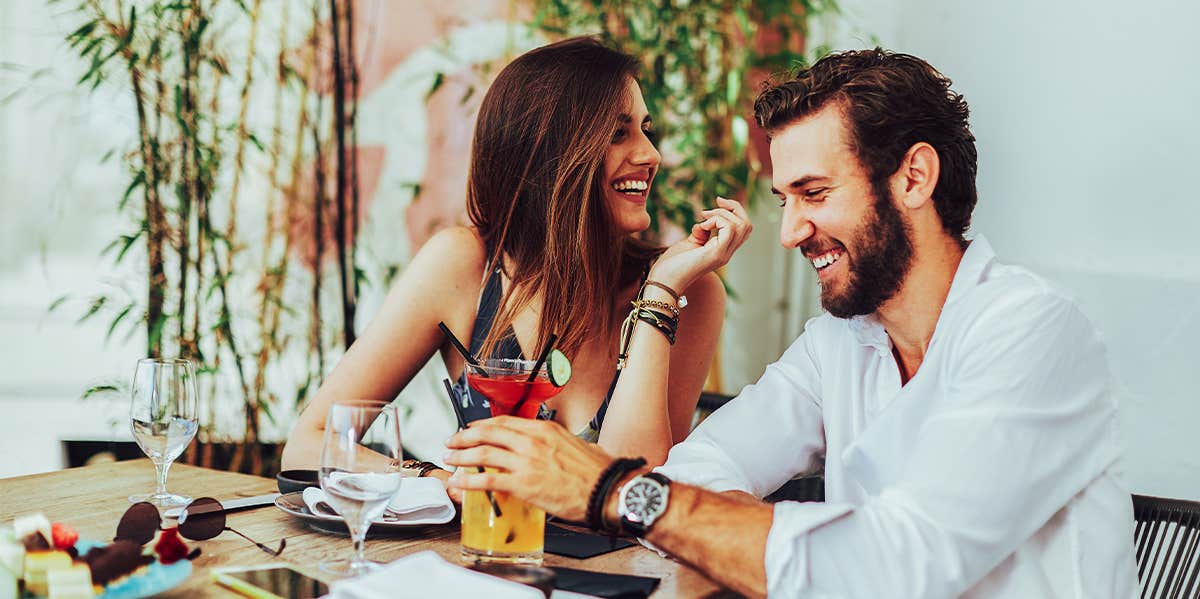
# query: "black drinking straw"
462,423
536,367
466,354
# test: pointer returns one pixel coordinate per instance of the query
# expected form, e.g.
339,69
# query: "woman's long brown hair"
536,186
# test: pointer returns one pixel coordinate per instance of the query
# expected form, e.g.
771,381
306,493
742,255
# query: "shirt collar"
978,256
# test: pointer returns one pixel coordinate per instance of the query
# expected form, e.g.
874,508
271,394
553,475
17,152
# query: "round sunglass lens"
139,523
202,519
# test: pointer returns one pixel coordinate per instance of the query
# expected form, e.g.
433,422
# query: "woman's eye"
651,135
618,135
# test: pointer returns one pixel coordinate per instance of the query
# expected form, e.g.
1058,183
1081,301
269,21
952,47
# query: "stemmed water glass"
163,419
358,471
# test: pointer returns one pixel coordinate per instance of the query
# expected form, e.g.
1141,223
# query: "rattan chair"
1166,537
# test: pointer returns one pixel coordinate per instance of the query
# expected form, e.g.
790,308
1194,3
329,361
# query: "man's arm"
723,535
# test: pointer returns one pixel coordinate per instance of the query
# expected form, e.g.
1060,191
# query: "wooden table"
93,498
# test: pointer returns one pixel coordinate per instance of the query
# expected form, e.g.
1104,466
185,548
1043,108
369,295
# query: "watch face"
645,498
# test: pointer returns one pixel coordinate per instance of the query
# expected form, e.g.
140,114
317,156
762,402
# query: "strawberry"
170,548
63,535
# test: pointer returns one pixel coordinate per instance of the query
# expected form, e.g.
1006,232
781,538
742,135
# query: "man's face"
850,231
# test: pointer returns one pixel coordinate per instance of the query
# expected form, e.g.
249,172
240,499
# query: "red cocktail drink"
513,394
517,533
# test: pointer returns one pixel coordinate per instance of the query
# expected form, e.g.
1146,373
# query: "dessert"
115,562
38,565
73,582
44,556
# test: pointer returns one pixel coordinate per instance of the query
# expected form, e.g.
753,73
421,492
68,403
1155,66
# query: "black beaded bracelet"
618,468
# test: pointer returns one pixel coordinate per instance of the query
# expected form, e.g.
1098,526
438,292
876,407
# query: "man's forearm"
723,536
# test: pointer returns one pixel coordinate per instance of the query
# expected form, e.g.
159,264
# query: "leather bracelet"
422,468
660,322
603,487
679,299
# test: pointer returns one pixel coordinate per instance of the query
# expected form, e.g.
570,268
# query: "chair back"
1166,537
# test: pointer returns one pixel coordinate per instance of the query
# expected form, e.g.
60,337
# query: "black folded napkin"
600,584
580,545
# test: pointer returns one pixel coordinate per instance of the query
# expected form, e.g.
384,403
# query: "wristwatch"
642,501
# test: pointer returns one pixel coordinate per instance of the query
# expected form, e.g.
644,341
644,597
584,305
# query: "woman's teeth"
632,186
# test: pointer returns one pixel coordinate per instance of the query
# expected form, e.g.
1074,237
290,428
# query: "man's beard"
882,256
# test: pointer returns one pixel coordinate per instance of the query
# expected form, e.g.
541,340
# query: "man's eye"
815,194
782,201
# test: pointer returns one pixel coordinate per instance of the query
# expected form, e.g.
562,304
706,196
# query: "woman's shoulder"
706,293
455,251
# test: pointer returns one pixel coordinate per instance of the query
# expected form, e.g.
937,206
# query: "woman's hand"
536,460
709,247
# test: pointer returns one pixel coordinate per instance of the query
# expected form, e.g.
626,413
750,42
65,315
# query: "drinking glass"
162,417
358,471
516,533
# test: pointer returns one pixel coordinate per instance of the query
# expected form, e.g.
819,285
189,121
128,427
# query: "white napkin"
426,574
419,501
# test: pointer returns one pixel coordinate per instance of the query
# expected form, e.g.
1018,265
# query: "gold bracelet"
645,303
679,299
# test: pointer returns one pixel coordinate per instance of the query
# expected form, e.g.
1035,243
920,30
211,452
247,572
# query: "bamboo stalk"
270,285
352,62
319,248
339,120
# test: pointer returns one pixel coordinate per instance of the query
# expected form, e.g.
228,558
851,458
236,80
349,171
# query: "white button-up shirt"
992,473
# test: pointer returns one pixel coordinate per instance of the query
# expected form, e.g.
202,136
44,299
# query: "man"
962,408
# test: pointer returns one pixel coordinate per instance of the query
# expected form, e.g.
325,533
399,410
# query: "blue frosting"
155,578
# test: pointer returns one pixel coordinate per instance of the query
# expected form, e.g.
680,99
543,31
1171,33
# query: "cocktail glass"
518,533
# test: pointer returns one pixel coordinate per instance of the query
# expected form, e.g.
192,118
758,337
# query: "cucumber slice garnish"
558,367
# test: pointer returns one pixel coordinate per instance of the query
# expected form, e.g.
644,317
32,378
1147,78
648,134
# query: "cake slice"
39,564
74,582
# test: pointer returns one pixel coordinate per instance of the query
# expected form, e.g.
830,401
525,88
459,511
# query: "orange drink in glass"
518,533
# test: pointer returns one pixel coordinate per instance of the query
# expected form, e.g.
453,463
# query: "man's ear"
913,183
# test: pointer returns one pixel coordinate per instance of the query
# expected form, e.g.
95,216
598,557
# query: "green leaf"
56,304
116,321
95,307
99,390
741,134
139,180
438,79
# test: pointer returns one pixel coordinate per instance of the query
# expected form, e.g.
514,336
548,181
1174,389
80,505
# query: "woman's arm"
440,284
652,405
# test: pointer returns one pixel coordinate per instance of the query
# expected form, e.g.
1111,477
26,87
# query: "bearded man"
961,408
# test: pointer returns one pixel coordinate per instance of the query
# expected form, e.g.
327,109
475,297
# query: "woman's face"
630,165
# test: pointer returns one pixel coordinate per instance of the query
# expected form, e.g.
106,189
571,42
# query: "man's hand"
538,461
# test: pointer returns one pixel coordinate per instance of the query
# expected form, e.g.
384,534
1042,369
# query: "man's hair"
890,101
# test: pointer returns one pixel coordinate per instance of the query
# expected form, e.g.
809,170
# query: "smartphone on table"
271,582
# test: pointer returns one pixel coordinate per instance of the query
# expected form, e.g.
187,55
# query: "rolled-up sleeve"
1025,424
768,434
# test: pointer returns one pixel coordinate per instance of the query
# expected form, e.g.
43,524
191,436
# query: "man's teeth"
631,185
826,259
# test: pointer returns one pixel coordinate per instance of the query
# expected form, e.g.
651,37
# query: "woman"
561,166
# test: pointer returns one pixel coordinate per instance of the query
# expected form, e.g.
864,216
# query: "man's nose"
795,228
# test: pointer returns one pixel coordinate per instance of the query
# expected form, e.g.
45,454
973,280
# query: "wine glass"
359,471
162,417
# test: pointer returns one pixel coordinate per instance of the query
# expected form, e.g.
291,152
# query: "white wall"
1089,139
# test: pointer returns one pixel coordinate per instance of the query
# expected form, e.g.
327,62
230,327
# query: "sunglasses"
200,520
